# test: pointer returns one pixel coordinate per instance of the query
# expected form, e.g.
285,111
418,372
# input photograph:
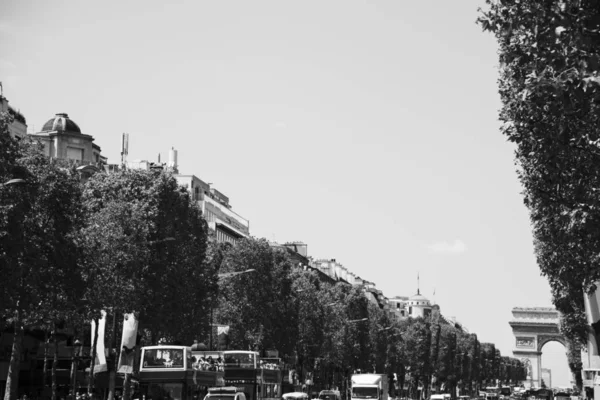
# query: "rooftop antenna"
124,149
418,284
159,158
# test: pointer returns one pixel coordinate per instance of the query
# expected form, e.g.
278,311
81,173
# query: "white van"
225,393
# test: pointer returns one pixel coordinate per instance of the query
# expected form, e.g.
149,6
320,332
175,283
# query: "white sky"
367,130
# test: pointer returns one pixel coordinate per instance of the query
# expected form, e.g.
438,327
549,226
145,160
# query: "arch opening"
555,372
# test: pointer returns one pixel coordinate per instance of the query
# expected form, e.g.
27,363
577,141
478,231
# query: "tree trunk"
54,366
45,373
12,379
127,387
113,369
93,357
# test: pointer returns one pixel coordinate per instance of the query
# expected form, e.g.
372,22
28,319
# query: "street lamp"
12,182
351,321
212,307
74,361
231,274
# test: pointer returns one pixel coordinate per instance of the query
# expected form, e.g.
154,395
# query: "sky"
366,129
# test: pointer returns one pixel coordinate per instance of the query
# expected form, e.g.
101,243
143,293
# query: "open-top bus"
259,377
172,372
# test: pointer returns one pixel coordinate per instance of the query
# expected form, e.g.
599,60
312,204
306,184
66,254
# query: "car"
330,395
225,393
295,396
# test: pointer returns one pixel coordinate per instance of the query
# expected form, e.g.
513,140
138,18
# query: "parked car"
330,395
295,396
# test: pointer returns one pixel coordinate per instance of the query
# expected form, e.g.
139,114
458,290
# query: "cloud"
280,124
456,247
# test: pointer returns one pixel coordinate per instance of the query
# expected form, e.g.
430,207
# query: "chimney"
173,160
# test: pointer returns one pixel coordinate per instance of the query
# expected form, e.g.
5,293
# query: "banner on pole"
127,357
100,359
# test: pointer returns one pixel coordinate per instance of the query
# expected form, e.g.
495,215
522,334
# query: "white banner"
223,330
127,357
100,363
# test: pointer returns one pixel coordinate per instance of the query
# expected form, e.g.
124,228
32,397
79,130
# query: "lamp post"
351,321
459,371
12,182
74,361
221,276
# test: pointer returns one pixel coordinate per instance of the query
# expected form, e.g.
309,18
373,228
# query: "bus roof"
240,352
225,389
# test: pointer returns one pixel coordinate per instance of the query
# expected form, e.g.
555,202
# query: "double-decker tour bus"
259,377
173,372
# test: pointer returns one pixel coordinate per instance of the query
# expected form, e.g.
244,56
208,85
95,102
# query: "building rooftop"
61,122
418,297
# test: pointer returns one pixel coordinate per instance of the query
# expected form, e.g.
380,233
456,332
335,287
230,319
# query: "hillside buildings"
18,128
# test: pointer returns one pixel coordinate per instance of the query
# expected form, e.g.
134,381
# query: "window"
74,153
163,358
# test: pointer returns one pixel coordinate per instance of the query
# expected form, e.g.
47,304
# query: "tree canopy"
549,87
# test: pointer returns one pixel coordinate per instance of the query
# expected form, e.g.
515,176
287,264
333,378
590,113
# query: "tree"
144,245
417,349
38,255
549,86
254,304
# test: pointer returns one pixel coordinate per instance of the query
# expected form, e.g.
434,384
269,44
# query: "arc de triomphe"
533,328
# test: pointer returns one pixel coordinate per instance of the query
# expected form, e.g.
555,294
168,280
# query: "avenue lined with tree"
134,241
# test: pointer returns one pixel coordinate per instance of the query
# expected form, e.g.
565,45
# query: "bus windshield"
364,392
240,359
163,358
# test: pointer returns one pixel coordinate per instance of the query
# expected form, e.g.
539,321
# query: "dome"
61,122
418,297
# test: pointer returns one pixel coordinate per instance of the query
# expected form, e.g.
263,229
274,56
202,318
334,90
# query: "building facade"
418,306
224,223
17,128
398,306
62,139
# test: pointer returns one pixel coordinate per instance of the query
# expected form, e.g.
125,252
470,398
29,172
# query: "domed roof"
61,122
418,297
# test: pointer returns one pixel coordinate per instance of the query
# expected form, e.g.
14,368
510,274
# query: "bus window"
189,360
241,359
163,358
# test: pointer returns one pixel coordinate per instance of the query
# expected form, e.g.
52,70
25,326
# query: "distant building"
398,306
418,305
298,252
334,269
62,139
18,128
225,224
547,377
